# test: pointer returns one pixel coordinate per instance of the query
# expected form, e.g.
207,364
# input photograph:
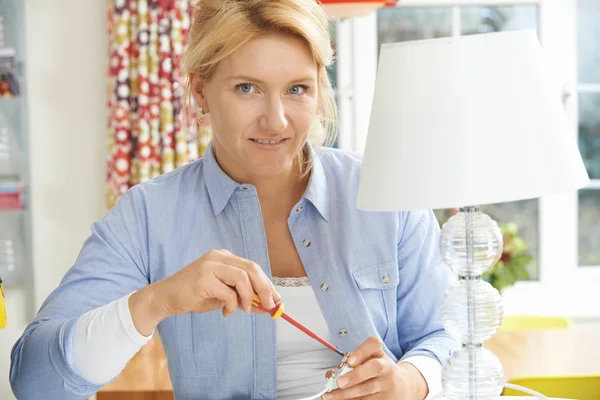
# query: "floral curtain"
146,131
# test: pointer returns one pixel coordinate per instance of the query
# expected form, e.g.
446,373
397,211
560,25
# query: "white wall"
65,75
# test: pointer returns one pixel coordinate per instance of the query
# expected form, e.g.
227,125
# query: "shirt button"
306,243
299,208
343,332
324,287
385,278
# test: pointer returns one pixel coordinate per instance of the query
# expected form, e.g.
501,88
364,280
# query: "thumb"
371,348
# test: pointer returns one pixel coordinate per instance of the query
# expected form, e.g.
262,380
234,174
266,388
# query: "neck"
280,193
275,193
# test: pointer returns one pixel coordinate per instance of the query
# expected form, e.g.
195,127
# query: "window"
556,237
588,61
415,23
332,70
397,24
485,19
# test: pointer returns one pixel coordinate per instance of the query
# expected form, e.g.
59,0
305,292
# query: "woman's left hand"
376,376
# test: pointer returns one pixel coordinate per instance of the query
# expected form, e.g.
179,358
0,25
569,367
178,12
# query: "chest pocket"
201,344
377,285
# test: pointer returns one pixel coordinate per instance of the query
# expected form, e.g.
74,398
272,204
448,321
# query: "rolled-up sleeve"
425,279
431,370
112,263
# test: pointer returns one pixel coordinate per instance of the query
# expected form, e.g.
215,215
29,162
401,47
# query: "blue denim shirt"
383,270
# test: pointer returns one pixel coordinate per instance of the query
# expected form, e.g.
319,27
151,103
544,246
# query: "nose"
274,119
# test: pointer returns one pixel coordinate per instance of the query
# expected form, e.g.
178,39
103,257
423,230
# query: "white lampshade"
466,121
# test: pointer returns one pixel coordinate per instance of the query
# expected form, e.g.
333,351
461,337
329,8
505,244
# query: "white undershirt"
302,361
105,339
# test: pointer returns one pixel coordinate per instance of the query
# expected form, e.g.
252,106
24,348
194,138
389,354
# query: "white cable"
331,382
441,395
506,385
525,390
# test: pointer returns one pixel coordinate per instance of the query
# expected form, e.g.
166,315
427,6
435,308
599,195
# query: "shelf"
11,102
12,113
13,211
13,247
16,267
13,140
12,19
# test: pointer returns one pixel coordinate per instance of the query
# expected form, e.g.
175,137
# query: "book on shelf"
9,83
11,195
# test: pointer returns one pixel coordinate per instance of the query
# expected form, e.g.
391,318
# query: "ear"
198,89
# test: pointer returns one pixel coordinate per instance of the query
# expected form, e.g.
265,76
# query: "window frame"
559,271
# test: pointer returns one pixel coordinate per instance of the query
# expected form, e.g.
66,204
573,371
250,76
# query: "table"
572,351
147,371
523,353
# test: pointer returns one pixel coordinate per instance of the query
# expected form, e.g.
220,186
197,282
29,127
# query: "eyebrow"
252,79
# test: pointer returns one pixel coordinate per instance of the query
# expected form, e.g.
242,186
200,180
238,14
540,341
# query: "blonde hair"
220,27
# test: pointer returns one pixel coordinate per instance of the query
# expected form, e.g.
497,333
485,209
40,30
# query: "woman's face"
262,101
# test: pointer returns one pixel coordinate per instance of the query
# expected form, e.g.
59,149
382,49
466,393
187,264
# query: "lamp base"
472,310
473,373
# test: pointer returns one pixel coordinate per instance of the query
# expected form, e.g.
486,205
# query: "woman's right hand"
217,280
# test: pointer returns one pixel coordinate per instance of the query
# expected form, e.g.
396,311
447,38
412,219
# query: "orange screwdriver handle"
275,312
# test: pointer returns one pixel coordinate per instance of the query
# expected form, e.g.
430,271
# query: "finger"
371,348
364,390
276,295
258,310
239,279
261,284
227,295
373,368
245,292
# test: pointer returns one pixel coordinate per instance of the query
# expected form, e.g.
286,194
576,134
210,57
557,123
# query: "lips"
269,141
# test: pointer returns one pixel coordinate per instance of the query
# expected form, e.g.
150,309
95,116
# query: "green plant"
512,266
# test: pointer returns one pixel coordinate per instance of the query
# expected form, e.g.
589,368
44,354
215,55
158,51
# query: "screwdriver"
279,312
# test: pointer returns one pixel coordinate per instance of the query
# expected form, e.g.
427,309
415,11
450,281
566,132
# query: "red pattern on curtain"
146,133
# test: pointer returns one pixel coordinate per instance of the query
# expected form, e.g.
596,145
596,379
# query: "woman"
183,252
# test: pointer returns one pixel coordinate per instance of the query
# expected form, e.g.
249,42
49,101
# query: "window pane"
496,19
588,43
398,24
332,69
523,215
589,227
589,132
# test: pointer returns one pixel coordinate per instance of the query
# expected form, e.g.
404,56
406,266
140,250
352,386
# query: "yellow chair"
529,322
565,387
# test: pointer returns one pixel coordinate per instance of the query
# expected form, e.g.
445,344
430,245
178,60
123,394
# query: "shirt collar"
221,187
317,191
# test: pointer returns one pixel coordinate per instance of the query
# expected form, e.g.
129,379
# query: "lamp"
445,113
353,8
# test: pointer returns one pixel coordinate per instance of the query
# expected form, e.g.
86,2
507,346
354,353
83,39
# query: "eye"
245,88
298,89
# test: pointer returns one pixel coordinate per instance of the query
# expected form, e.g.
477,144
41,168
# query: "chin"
271,170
